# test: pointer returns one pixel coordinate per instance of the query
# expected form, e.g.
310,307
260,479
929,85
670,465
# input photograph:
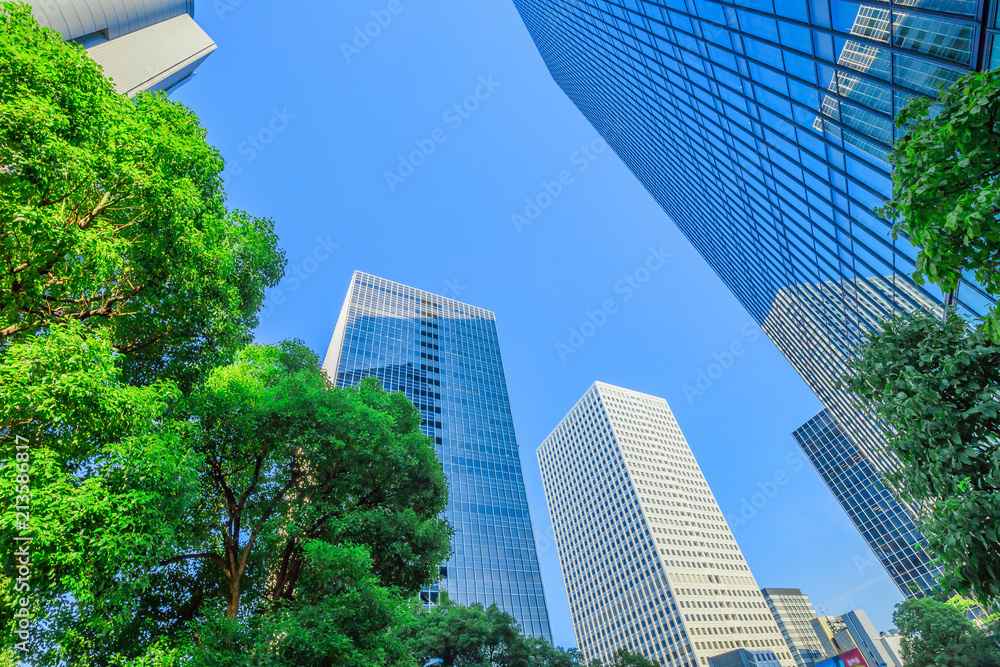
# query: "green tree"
624,658
107,481
935,384
298,479
340,614
478,636
946,192
467,636
937,634
112,214
265,518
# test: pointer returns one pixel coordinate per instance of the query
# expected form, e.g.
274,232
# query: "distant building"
892,642
871,644
744,658
833,635
853,630
649,562
141,44
852,658
794,613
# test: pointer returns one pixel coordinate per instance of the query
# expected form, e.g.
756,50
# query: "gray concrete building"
141,44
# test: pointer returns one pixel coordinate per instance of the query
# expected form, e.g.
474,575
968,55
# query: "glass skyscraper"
761,127
649,562
445,356
885,523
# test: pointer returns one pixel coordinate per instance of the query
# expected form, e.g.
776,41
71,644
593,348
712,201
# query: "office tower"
648,559
853,630
794,613
761,129
445,356
744,658
141,44
885,523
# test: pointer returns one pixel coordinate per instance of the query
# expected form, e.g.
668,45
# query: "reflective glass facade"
649,562
884,522
445,356
761,127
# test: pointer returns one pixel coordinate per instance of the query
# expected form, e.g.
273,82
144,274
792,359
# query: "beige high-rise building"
794,614
647,557
141,44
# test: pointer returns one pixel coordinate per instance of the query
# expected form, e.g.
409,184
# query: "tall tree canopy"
936,384
112,214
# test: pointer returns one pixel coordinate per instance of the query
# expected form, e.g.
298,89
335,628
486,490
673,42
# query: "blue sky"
310,130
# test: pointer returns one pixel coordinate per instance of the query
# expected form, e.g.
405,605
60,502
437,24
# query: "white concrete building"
141,44
648,559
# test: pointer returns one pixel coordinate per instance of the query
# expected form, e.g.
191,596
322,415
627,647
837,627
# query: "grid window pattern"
761,127
794,613
885,523
648,559
445,356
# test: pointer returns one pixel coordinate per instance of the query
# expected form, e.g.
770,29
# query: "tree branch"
215,558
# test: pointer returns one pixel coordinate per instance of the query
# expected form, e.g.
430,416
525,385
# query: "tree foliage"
937,634
316,507
108,481
946,192
478,636
112,214
936,385
265,518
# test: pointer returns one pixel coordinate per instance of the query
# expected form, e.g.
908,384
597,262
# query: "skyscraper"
445,356
794,613
761,128
648,559
141,44
885,523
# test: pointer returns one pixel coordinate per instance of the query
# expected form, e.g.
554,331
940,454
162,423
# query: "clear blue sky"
329,125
